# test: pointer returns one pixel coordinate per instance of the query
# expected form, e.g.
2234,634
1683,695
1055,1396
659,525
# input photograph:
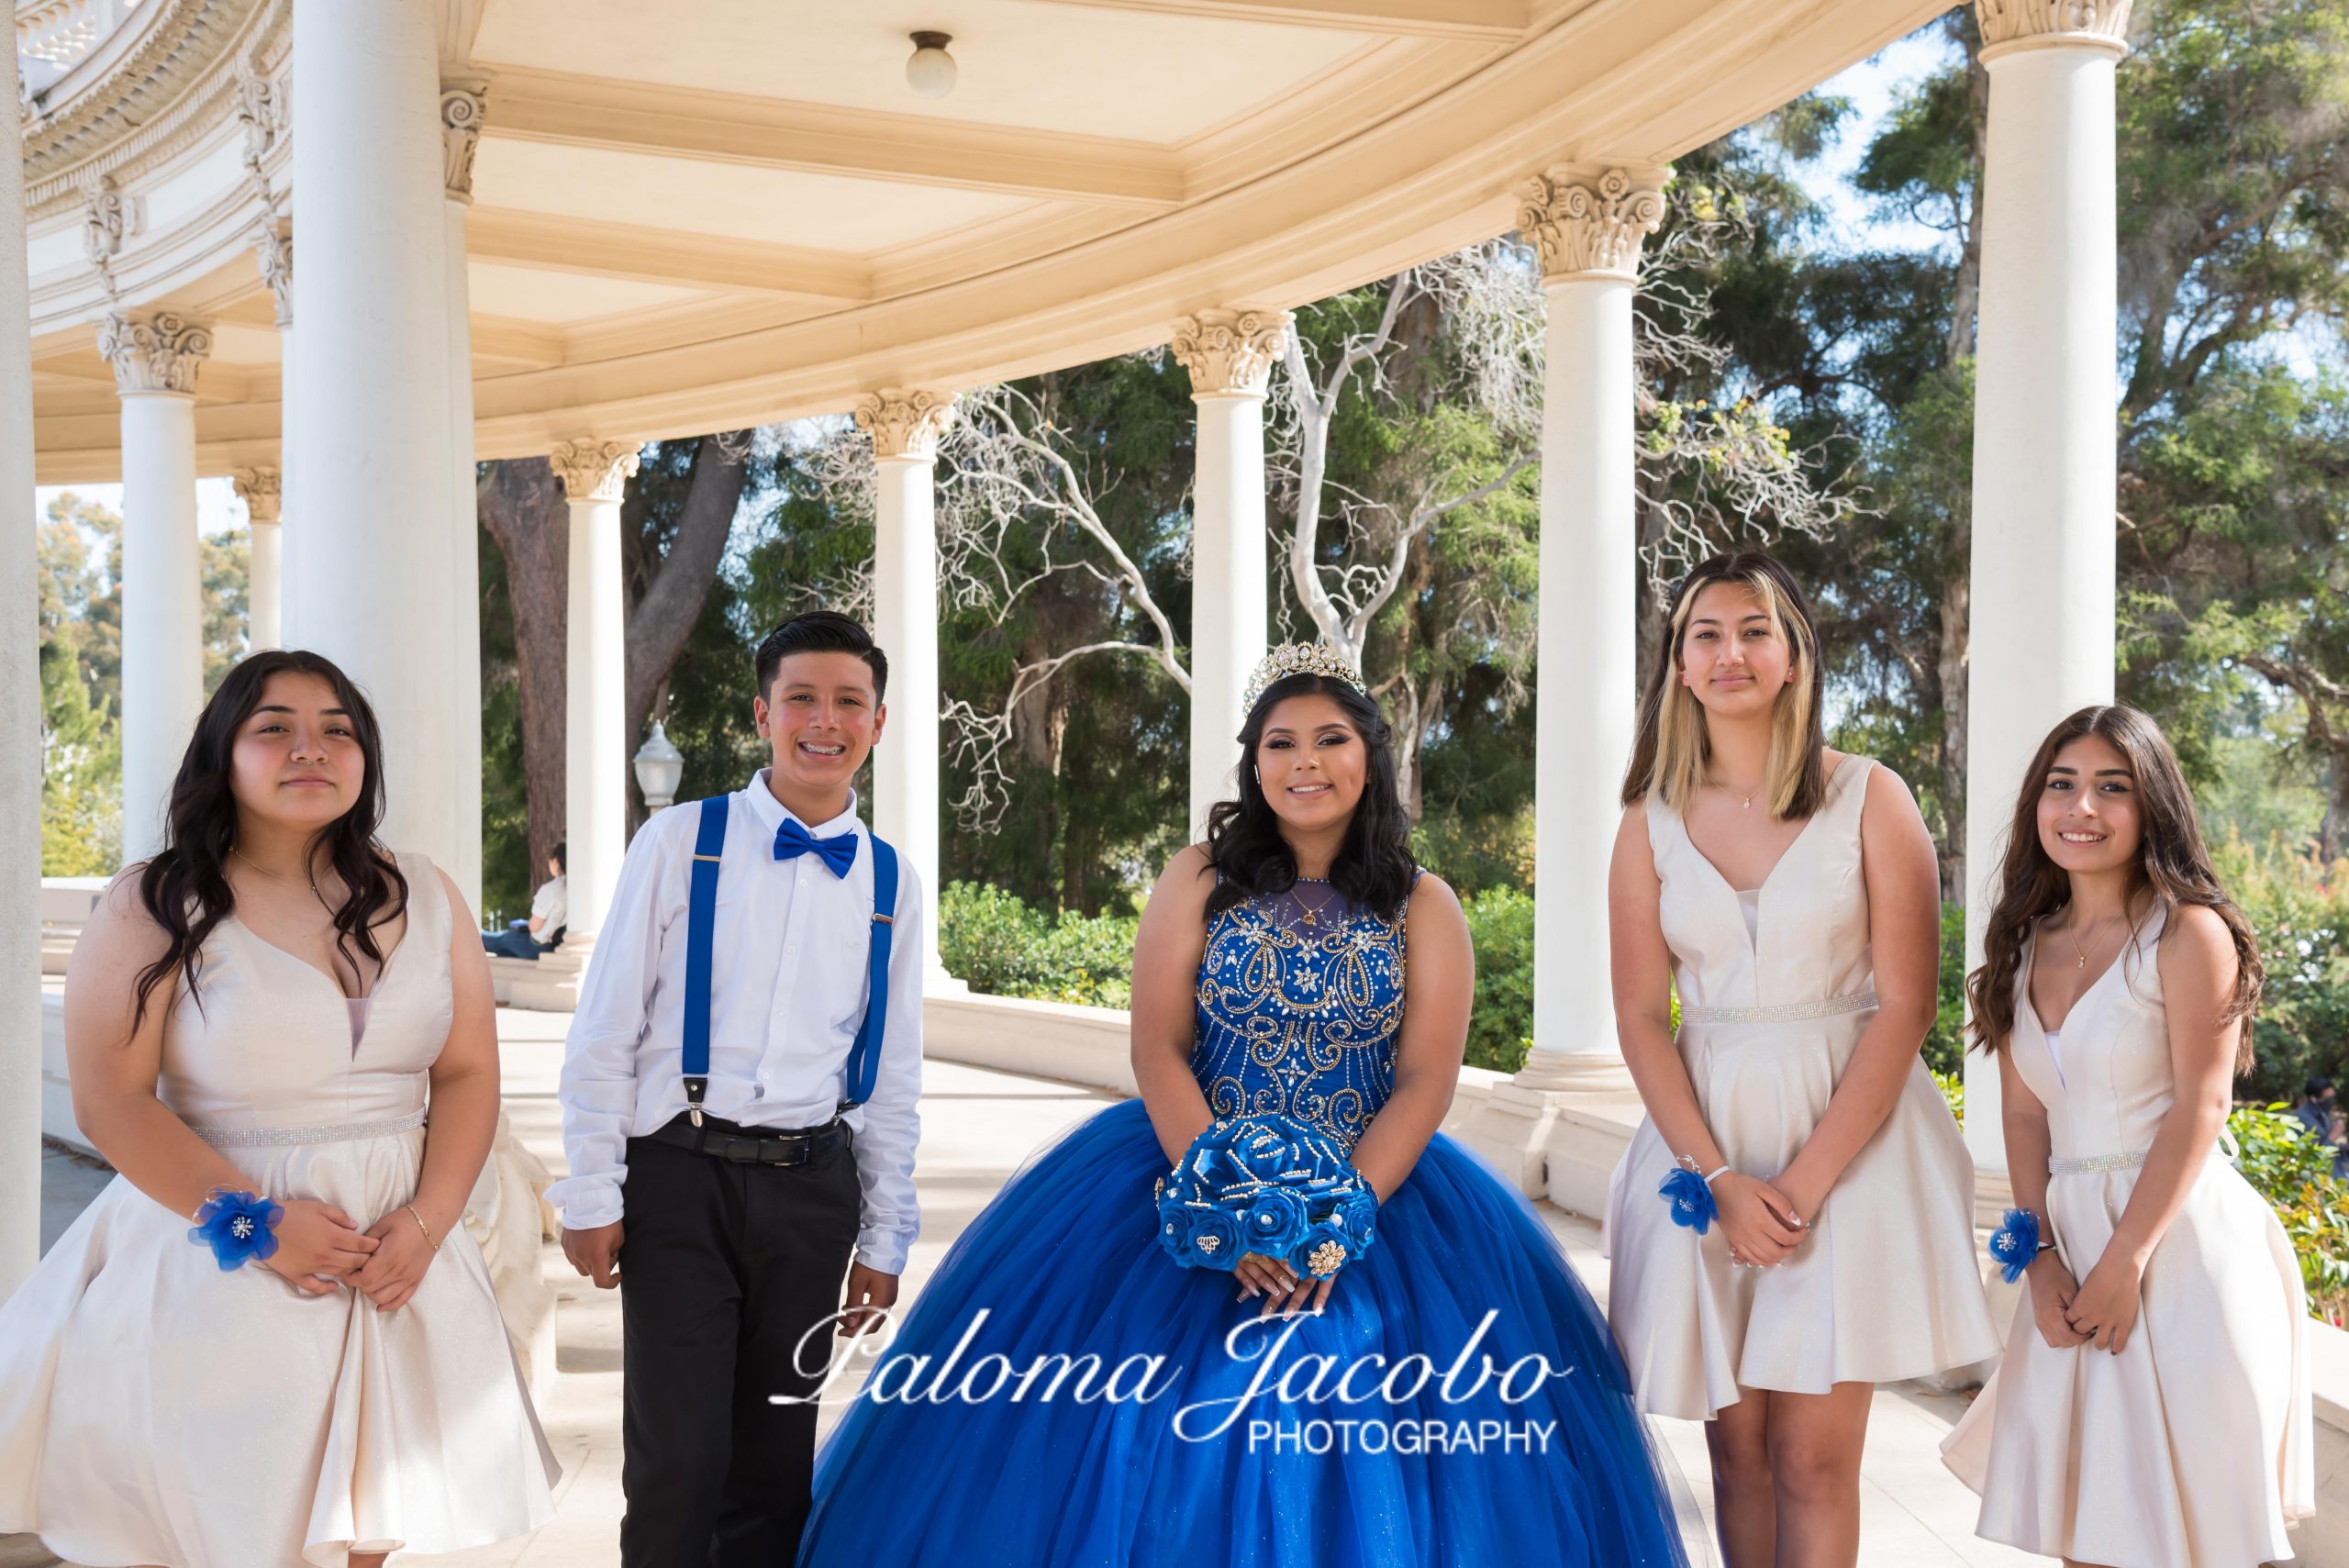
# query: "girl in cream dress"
1788,897
2151,1409
352,1393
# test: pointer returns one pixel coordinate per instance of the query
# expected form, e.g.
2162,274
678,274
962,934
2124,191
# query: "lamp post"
659,767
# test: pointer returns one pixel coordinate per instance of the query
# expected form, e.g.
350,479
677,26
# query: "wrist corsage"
2015,1244
236,1226
1269,1186
1691,1194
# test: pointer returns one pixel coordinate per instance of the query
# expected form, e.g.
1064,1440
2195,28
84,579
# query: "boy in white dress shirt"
727,1224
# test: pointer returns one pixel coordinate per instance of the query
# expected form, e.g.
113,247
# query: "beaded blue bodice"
1298,1011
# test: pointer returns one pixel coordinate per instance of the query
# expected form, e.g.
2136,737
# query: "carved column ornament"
261,110
260,489
462,104
154,352
904,423
1582,228
2026,23
273,249
105,218
592,470
1230,351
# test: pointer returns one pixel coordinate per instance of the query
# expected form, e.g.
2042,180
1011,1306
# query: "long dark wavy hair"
1374,867
1672,747
186,887
2173,865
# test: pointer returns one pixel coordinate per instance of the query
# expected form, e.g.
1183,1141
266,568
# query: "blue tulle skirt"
1064,1262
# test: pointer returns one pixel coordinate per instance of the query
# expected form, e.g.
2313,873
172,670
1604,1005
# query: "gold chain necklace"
279,876
2080,952
1745,797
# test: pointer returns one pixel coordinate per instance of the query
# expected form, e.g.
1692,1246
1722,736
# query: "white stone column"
274,249
1588,233
368,568
1588,226
461,115
905,427
155,358
596,747
2044,455
260,490
20,1087
1230,354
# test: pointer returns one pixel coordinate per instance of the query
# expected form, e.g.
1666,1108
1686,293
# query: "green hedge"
1002,947
990,938
1500,924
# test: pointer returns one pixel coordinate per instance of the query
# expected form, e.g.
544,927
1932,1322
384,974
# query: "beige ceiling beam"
663,256
1498,19
631,116
521,344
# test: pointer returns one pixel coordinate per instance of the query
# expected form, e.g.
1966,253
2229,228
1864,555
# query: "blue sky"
1875,86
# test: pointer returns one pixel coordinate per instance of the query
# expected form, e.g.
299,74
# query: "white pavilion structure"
341,249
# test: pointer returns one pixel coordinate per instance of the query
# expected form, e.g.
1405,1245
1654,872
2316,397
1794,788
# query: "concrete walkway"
977,1127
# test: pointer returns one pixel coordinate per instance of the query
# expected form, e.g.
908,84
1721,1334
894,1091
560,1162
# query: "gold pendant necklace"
2082,953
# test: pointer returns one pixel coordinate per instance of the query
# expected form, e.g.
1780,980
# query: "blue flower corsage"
1270,1185
2015,1244
238,1226
1691,1195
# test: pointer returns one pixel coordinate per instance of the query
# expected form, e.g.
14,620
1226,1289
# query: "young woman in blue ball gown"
1296,964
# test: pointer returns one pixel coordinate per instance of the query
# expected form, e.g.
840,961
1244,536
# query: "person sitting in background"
2320,1112
549,907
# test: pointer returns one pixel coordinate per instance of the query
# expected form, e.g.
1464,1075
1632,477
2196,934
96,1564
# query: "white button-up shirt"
787,994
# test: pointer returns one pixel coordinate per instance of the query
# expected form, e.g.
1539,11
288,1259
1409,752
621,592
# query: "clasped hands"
2101,1312
320,1248
1279,1285
1759,1219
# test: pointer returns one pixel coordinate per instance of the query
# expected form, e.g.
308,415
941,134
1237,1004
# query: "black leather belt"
753,1146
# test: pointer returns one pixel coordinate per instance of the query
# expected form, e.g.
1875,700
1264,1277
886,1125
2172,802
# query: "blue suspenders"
701,920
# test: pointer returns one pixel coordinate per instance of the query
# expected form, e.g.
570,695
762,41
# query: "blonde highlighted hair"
1669,757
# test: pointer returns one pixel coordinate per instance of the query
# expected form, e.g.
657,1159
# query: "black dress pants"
724,1269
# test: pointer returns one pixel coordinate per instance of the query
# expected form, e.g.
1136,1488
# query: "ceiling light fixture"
930,71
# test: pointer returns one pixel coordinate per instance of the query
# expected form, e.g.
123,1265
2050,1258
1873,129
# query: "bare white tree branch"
1014,512
1488,299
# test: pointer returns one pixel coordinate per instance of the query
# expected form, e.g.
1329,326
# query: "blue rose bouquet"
1269,1186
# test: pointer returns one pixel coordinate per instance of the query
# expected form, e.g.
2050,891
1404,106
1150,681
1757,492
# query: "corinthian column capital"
156,351
2011,25
461,103
905,422
260,489
594,470
1230,352
1583,228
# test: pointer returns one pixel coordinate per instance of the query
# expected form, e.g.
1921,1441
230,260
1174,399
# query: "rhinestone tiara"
1300,658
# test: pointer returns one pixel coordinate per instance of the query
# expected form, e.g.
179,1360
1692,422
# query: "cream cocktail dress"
2191,1447
155,1409
1887,1284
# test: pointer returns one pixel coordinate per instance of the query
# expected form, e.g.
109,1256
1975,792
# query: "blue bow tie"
792,840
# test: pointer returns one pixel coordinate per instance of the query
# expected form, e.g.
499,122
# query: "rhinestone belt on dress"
316,1133
1788,1013
2089,1164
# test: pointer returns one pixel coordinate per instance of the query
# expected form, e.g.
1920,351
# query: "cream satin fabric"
155,1409
2193,1446
1886,1285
